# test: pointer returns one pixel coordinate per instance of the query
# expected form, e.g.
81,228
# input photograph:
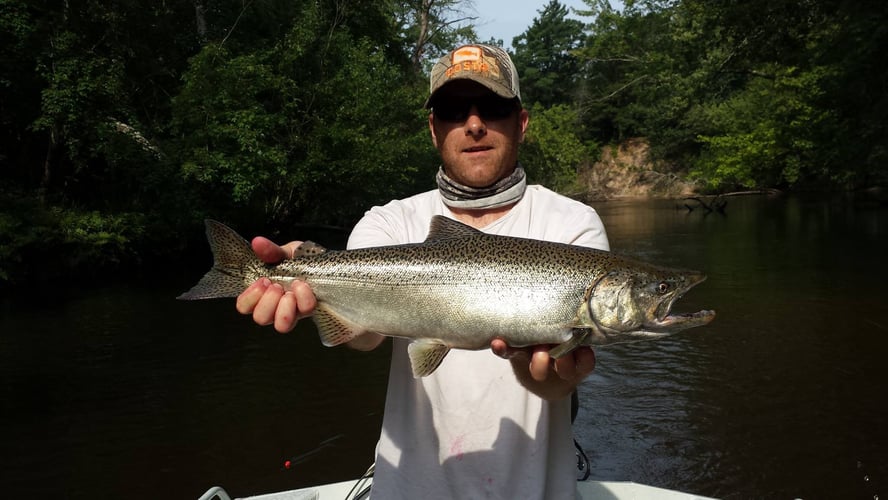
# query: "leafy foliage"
431,28
750,94
767,133
275,110
127,122
274,128
553,152
39,242
545,59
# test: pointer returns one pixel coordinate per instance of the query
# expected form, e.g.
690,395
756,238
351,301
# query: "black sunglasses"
456,109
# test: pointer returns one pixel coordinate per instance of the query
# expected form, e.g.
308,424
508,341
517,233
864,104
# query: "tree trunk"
46,178
200,14
423,37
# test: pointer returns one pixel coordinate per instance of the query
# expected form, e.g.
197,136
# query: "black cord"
353,494
582,462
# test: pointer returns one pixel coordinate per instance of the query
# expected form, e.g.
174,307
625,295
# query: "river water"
123,392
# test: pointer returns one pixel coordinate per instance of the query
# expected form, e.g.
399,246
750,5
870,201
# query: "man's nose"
474,123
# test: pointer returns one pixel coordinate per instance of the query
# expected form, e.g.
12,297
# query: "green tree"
431,28
750,93
85,72
545,59
79,165
312,129
553,151
792,64
767,134
619,63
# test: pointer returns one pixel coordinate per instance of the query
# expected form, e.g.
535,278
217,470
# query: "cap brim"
500,90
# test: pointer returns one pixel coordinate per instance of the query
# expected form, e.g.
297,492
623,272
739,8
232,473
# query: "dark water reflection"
123,392
783,395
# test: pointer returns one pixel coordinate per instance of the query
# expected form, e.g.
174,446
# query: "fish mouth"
678,322
668,321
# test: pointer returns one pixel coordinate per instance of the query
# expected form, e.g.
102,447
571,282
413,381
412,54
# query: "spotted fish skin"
461,288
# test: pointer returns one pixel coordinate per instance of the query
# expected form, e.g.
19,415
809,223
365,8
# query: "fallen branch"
136,136
717,204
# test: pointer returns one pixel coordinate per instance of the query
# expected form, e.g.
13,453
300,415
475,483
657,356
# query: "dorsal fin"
443,228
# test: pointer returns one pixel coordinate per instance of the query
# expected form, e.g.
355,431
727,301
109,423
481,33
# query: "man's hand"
270,303
548,378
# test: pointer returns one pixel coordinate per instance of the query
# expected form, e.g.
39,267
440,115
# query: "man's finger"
248,299
585,361
566,367
539,363
285,314
268,251
264,312
306,302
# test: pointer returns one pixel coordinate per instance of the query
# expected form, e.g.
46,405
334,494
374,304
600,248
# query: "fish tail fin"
234,265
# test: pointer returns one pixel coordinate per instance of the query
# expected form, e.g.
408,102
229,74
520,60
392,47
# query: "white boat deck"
352,490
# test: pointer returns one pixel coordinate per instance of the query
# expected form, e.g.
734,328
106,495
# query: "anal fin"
425,356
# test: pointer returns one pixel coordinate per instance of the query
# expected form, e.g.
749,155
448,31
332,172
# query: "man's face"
476,132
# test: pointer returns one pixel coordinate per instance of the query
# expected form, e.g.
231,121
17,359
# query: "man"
478,427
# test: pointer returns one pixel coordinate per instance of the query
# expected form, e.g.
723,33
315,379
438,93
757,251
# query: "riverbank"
627,171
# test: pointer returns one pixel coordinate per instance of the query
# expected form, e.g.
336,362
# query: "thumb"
267,250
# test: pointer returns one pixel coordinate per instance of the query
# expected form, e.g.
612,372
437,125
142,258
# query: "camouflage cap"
488,65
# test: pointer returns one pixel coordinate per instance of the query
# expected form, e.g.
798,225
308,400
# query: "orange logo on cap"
471,58
466,54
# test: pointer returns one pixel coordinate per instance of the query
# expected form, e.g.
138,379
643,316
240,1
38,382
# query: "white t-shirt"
470,430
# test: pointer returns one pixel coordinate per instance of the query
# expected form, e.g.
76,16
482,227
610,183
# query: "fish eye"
663,287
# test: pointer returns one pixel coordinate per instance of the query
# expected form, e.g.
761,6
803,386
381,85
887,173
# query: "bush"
553,151
39,242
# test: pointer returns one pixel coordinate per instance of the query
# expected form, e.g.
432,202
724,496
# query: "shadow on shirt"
516,466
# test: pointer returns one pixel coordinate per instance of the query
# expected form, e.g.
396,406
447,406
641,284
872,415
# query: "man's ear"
524,118
432,129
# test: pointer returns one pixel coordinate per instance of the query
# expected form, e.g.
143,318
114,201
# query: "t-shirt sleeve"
377,228
590,230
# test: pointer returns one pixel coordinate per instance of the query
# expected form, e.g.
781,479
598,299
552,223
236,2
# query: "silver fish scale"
526,291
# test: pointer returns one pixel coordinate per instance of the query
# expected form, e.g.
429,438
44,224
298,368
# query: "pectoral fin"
586,330
425,356
564,348
334,329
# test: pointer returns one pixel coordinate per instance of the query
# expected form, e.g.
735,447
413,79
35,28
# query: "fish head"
634,302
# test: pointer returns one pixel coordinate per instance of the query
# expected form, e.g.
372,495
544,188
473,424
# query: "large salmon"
461,288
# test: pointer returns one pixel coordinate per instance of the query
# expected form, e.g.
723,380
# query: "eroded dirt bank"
626,171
